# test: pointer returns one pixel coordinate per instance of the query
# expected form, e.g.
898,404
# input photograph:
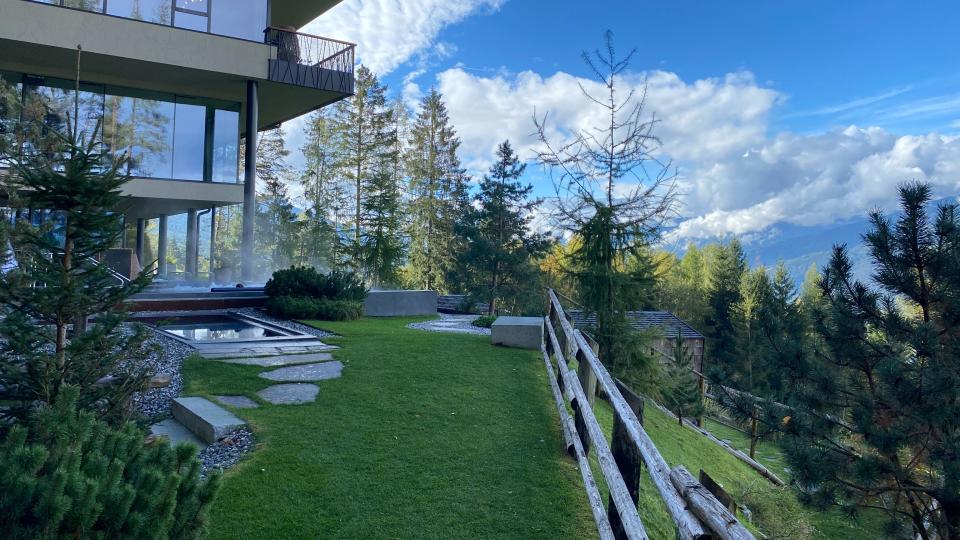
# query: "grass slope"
426,435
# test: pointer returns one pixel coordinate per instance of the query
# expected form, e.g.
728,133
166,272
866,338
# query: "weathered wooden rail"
696,513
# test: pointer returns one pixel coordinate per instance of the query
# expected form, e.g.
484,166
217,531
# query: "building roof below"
664,321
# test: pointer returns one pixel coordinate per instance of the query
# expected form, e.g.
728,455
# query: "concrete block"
400,303
517,332
205,419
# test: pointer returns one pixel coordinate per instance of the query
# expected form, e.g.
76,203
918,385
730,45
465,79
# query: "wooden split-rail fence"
696,513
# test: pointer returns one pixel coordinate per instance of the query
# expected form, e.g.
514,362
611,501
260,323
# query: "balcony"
310,61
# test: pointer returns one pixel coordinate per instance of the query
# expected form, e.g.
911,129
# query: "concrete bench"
517,332
208,421
400,303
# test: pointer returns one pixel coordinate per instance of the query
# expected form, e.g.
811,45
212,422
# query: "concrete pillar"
250,181
162,247
193,245
141,230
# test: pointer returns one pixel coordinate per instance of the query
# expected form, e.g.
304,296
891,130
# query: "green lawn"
425,436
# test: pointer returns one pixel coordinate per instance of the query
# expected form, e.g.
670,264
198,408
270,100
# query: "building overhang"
42,40
297,13
149,198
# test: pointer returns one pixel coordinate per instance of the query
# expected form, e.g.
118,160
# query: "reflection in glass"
9,114
188,141
87,5
182,19
193,5
225,142
49,114
157,11
141,129
244,19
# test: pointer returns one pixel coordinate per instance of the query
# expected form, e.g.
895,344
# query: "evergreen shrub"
304,293
65,474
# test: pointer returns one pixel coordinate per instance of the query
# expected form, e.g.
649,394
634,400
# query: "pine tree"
46,341
438,194
64,474
871,418
726,274
500,243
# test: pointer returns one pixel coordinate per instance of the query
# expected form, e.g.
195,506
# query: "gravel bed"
167,357
227,452
456,324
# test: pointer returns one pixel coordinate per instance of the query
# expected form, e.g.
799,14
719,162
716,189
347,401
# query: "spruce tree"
723,296
321,179
500,244
276,227
438,194
47,340
756,294
367,136
679,388
871,420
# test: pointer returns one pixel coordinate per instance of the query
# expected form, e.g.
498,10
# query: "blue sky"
787,120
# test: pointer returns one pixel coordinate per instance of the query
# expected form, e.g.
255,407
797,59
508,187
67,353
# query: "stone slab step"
176,433
278,360
207,420
250,351
306,373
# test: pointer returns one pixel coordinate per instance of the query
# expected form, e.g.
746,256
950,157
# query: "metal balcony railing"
312,61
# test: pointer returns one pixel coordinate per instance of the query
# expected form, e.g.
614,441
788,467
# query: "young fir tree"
382,242
64,474
615,195
500,244
46,341
871,420
438,194
365,130
782,331
679,388
723,296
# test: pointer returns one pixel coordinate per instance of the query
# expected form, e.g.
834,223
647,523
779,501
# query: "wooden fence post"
588,379
753,433
628,459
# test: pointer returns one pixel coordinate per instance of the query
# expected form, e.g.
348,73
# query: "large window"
244,19
157,135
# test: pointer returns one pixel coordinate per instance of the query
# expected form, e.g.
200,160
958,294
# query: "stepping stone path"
237,402
290,394
228,351
306,373
280,360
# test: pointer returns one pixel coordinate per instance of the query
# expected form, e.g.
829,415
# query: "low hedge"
302,307
302,281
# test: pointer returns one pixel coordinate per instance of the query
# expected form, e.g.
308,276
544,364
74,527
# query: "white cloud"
737,178
704,120
390,32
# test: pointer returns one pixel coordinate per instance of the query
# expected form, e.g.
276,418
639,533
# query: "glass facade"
243,19
159,135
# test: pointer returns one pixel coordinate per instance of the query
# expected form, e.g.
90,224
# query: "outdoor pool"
212,328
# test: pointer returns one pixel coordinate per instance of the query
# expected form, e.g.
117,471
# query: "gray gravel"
227,452
456,324
167,359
